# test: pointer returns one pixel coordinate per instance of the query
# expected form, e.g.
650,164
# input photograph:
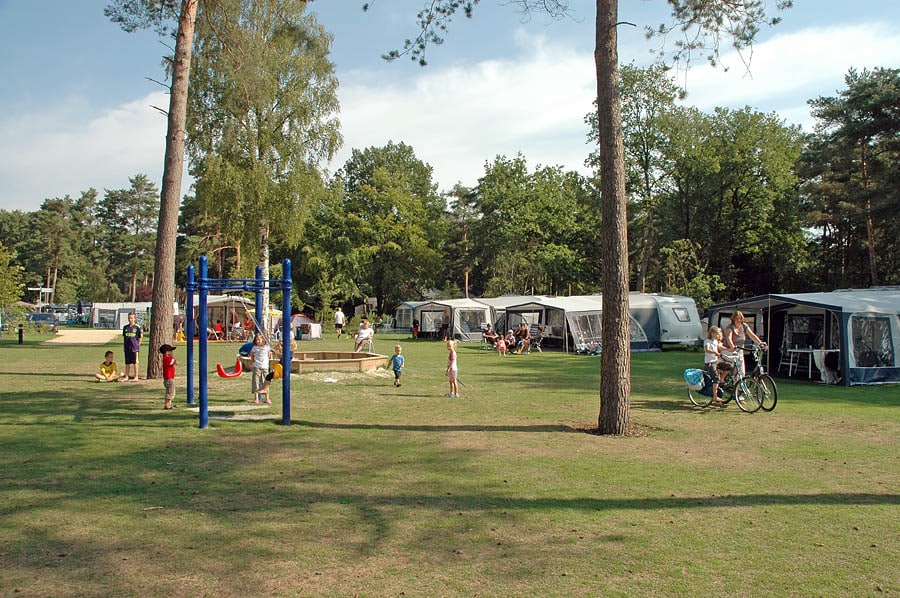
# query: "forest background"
722,204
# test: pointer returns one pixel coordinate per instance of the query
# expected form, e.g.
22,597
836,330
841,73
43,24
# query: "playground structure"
202,285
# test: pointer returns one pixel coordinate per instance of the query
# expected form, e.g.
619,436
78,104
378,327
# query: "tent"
572,322
309,329
404,313
115,315
227,309
855,332
499,304
460,319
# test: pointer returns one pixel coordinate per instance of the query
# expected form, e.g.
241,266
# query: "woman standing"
736,335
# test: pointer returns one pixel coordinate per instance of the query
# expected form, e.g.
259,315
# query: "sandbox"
330,361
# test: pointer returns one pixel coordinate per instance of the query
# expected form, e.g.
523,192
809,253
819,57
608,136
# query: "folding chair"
788,360
366,345
536,335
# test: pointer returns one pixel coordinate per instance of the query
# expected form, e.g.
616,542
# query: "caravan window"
872,343
682,314
471,320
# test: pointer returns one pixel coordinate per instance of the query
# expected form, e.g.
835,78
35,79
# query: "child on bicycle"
715,366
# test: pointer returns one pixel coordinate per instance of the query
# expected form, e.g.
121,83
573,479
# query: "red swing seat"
238,368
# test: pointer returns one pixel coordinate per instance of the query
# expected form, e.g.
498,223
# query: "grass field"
383,491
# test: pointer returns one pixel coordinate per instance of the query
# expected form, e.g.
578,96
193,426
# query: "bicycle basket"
694,378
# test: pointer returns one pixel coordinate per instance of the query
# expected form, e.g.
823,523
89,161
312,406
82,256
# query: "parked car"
43,320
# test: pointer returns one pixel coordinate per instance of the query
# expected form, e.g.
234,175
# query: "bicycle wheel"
699,399
768,392
747,395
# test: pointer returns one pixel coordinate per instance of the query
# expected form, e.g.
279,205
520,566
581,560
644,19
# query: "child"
712,359
397,361
260,354
132,335
109,371
500,343
168,371
510,339
452,370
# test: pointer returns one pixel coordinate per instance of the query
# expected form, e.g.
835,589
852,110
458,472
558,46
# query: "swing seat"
238,368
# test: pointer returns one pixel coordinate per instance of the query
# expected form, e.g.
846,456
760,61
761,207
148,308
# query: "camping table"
808,355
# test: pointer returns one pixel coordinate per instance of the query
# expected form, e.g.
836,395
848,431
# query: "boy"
168,368
397,361
109,371
132,335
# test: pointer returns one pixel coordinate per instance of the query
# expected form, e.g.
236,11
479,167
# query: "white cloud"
456,118
63,153
787,70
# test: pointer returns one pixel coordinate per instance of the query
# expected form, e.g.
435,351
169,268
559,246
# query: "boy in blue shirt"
396,362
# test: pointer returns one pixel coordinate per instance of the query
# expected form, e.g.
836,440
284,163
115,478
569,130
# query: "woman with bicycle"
736,335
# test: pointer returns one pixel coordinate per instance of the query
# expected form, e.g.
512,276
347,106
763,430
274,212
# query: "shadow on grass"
433,428
482,502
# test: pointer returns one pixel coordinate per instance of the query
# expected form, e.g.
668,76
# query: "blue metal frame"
203,285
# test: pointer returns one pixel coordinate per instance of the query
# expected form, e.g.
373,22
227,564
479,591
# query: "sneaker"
256,401
268,402
450,394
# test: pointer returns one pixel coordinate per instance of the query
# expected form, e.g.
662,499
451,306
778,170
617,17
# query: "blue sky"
76,103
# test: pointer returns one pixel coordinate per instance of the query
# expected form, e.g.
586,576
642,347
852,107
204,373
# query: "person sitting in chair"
489,335
523,339
364,335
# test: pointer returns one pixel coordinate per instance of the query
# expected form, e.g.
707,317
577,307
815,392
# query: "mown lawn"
380,491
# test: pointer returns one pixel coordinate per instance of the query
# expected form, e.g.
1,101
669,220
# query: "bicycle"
743,389
768,397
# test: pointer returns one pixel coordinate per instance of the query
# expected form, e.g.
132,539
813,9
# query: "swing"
223,373
238,367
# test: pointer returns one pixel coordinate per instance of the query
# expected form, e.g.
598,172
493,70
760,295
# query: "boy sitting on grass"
109,371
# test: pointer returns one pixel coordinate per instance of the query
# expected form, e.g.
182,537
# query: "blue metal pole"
203,323
189,317
286,354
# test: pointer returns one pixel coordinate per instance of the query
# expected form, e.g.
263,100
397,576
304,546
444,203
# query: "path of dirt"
89,336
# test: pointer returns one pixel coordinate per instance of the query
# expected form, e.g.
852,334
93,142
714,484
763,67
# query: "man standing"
339,321
132,334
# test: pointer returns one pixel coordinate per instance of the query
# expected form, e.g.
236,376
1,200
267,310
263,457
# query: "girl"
260,354
452,370
713,363
500,343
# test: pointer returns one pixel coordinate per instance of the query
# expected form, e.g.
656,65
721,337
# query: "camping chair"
485,345
788,360
536,335
367,346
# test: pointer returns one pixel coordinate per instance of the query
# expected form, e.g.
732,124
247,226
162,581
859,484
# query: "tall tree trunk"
870,225
264,262
615,360
162,315
55,277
